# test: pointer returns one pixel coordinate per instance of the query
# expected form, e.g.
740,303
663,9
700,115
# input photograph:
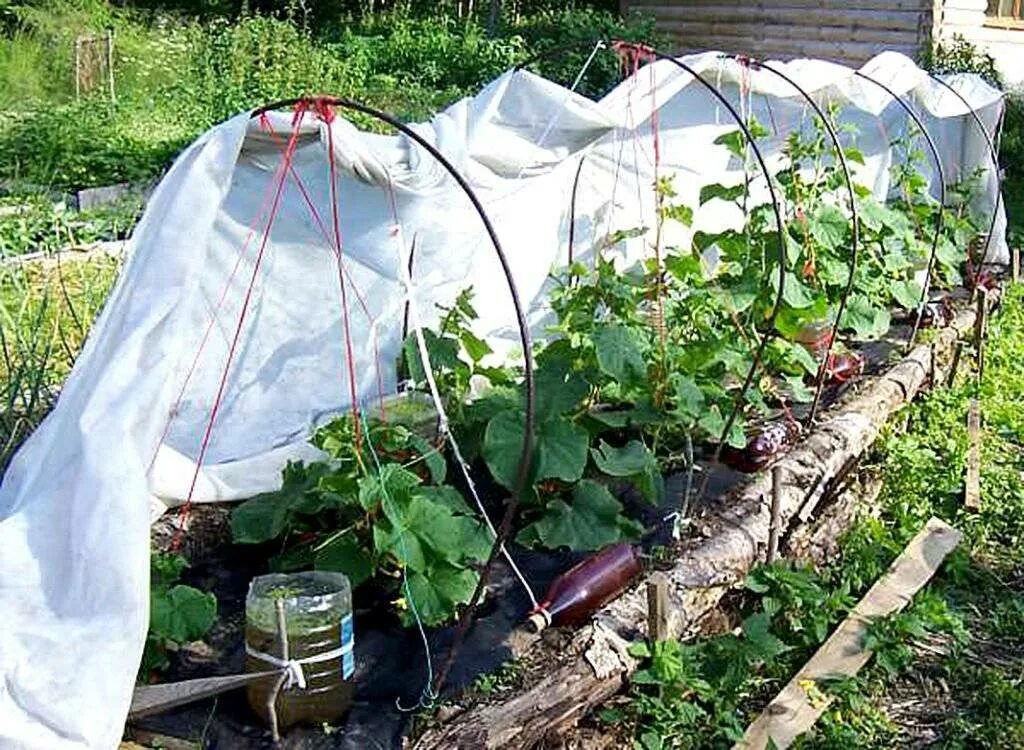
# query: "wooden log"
818,541
656,7
905,20
794,710
657,608
972,485
595,664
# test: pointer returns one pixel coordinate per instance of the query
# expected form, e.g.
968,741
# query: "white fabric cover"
74,504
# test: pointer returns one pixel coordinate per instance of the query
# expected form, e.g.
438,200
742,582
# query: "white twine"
443,427
292,668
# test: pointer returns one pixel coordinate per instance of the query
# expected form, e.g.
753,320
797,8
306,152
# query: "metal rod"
525,458
855,235
993,154
939,216
572,207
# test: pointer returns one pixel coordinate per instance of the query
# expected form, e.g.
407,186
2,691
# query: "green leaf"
558,389
475,347
432,457
867,321
447,496
682,214
735,141
796,294
392,483
260,519
800,392
593,520
712,422
182,614
757,629
436,592
345,554
689,397
632,458
399,542
561,450
619,354
829,226
733,193
906,293
503,445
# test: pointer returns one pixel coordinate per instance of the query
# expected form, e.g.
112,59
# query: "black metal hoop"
993,153
855,235
939,218
505,527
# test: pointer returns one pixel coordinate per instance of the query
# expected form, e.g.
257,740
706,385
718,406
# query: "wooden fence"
849,32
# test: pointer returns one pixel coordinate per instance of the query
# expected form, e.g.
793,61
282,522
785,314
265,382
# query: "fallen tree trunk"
732,539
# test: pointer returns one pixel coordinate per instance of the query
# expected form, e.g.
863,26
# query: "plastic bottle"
770,441
318,618
586,587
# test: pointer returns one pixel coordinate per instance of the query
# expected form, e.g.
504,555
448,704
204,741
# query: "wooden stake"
801,702
110,63
958,350
657,608
972,486
1015,264
773,523
980,324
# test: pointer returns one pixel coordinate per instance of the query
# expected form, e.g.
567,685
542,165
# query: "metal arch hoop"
939,218
780,224
505,526
993,153
855,236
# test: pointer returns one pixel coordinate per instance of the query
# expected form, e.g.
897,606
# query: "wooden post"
1015,264
657,608
933,380
979,330
110,63
958,351
972,483
795,709
78,68
773,523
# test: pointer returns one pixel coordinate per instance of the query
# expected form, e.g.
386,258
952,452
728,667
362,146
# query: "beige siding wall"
846,31
1006,45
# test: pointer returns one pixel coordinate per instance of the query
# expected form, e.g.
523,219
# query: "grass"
46,311
948,671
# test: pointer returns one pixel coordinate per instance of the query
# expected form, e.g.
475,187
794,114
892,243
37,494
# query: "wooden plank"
796,17
849,53
794,711
795,32
972,485
654,7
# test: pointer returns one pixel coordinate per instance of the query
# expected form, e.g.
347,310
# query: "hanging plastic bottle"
586,587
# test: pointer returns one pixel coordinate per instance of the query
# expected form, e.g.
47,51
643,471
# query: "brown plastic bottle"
762,448
587,586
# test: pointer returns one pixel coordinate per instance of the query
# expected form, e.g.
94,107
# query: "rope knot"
296,677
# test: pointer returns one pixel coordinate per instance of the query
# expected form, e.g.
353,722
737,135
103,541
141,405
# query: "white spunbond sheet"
75,502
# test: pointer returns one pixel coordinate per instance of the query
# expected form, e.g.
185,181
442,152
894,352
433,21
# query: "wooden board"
972,487
794,711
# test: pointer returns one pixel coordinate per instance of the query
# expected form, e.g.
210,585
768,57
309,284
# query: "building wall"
1005,43
846,31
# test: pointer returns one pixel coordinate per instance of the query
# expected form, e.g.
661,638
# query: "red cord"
300,111
327,115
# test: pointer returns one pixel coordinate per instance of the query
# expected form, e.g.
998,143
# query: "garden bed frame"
731,539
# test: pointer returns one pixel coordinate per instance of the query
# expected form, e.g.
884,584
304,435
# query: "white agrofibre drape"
75,503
